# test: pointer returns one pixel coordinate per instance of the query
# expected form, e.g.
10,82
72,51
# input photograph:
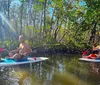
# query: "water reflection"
95,68
58,70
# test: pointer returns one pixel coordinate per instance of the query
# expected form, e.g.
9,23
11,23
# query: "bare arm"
95,48
16,50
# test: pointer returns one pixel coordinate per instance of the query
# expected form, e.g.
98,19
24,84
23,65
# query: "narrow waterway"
58,70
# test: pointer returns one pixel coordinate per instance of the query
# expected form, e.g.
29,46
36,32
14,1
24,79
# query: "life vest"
85,52
92,56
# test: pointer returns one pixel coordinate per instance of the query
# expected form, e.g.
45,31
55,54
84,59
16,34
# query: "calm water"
58,70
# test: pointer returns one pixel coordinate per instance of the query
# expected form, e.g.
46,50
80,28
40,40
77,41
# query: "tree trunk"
52,19
21,16
65,32
93,32
8,9
45,16
41,24
1,33
55,33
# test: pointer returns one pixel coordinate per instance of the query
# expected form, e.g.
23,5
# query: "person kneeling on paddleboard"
95,52
23,51
90,56
94,55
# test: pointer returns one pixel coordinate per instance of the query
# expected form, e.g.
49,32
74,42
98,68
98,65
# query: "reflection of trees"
73,65
48,72
89,72
4,76
67,79
50,67
80,69
24,77
94,74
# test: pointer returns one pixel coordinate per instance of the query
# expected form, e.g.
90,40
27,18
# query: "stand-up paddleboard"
90,60
11,62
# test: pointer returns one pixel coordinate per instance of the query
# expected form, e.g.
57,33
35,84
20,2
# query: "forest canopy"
72,23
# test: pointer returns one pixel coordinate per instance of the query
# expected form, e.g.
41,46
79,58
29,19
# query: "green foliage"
22,1
42,0
68,23
9,44
38,7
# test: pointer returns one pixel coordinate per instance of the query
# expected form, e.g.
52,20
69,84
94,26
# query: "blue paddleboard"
90,60
11,62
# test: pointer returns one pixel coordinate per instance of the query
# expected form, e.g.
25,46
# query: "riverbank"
62,49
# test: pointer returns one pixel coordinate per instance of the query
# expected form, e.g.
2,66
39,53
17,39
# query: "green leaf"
22,1
42,0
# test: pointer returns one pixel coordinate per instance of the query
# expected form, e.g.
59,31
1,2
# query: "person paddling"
94,53
23,51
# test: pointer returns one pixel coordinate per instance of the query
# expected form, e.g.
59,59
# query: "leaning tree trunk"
93,32
57,27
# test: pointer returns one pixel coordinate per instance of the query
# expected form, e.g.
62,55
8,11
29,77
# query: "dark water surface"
58,70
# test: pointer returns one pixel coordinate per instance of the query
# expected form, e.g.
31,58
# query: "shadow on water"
58,70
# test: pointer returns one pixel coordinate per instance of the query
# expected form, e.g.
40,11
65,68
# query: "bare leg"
15,56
